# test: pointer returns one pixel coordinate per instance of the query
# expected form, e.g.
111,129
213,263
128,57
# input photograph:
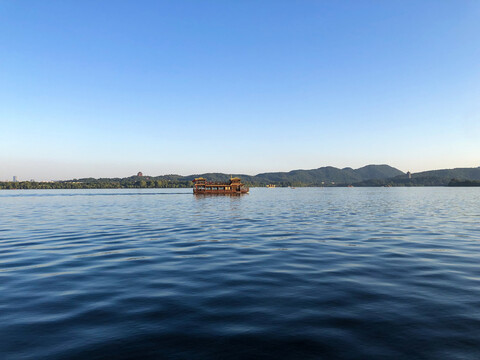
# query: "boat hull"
219,192
235,187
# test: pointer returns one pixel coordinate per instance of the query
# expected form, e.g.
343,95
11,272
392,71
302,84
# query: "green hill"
457,173
370,175
315,177
440,177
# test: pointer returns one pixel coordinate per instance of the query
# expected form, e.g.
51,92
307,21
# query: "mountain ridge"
369,175
311,177
440,177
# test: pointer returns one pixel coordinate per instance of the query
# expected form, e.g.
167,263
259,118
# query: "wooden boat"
234,187
270,186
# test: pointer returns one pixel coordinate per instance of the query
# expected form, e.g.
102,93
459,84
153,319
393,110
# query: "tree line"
96,184
158,183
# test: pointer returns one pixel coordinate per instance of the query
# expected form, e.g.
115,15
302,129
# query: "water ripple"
311,273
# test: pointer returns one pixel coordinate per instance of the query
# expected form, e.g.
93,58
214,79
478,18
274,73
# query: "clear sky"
109,88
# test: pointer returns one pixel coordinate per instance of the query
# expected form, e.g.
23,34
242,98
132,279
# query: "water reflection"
309,273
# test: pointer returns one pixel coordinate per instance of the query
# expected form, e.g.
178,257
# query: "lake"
306,273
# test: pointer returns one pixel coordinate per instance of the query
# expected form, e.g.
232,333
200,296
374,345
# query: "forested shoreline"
367,176
96,184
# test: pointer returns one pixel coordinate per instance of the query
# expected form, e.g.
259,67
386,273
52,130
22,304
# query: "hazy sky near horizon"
109,88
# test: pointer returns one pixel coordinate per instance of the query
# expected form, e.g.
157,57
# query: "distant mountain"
378,172
320,176
440,177
220,177
370,175
457,173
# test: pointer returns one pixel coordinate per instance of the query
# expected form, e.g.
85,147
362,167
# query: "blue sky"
109,88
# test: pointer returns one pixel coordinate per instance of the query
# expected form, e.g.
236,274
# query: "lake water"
321,273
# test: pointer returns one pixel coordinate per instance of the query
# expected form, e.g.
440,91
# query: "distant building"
409,175
15,179
140,173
